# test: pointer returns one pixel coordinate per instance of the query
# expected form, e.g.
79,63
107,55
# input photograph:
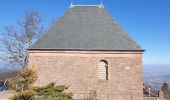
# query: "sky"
146,21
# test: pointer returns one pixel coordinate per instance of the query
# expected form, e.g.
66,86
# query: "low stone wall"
85,96
151,98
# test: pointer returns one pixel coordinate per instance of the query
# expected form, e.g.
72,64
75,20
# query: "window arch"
103,70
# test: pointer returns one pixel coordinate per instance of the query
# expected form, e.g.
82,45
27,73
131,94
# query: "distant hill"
156,81
155,75
7,73
2,64
155,70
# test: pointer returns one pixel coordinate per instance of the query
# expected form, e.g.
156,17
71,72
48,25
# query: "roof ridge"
100,5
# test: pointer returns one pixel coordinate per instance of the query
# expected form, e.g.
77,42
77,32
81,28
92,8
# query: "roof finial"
101,5
71,5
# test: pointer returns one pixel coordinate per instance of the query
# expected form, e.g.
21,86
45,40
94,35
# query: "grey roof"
86,28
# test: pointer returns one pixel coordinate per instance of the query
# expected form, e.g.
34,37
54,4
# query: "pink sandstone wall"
79,70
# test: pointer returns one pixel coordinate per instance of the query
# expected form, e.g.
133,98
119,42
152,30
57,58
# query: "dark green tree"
21,84
52,92
26,95
23,80
164,88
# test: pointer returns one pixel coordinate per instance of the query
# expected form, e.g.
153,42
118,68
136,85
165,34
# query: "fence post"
107,96
131,96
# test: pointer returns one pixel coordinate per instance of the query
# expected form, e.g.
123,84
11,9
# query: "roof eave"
33,49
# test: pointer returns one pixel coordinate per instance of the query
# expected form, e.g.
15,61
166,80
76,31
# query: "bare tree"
15,40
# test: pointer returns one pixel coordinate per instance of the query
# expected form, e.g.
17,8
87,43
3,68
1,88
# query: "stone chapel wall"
79,70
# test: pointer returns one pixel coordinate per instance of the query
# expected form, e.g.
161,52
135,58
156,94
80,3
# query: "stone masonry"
79,70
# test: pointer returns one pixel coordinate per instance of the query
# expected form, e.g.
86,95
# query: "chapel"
88,50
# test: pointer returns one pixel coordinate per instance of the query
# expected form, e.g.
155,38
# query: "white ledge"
100,6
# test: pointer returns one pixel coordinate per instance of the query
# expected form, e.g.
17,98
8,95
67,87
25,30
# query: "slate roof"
86,28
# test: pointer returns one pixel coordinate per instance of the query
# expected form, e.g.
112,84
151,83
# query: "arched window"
103,70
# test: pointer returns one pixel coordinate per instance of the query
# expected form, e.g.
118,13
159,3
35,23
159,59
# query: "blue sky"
146,21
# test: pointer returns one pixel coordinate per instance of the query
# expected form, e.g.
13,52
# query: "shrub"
23,80
26,95
22,85
52,92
